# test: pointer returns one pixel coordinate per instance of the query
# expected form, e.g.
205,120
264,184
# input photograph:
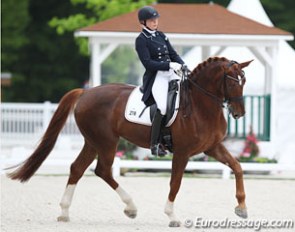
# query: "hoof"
63,219
241,212
174,224
130,213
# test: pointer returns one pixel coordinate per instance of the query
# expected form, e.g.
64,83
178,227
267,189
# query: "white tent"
283,147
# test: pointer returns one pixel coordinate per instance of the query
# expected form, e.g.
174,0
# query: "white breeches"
160,88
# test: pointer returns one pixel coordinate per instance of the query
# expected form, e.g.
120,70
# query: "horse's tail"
27,168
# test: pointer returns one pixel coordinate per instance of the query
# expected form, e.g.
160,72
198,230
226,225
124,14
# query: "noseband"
227,99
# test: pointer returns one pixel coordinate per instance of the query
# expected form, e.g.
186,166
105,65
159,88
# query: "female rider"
161,62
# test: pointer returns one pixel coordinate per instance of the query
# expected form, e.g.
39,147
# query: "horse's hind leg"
78,167
221,154
104,171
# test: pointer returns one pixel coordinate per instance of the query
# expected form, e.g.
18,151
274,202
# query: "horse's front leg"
178,166
221,154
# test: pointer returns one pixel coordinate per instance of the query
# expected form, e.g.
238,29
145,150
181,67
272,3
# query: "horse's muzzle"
236,114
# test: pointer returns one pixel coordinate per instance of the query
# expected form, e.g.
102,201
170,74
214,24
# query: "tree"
15,18
48,65
281,14
122,66
96,11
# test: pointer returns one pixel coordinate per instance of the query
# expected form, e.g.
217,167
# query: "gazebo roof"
189,19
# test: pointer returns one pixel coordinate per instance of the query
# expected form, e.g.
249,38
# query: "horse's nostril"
236,116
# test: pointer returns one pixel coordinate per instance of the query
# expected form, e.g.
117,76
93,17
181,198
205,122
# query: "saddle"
137,112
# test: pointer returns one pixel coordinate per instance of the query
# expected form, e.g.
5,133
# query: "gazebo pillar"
206,52
95,66
273,52
268,57
99,52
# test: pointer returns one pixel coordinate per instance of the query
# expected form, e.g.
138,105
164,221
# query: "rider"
161,62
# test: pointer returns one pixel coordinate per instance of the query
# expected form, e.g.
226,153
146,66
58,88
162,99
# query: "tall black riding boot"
157,148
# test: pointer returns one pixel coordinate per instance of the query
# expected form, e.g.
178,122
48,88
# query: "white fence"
194,165
22,123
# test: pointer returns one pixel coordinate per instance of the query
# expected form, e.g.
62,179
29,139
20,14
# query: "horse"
200,126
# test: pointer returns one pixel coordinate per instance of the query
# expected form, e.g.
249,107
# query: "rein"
217,99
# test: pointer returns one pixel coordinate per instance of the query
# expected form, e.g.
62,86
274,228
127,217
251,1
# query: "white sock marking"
125,197
170,211
67,200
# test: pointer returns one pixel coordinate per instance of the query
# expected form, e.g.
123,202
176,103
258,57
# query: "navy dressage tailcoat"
155,53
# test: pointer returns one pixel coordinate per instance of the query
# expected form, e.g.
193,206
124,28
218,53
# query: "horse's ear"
245,64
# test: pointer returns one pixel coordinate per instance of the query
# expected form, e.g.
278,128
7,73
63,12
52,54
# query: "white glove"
175,66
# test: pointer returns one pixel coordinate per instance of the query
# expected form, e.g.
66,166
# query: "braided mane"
206,63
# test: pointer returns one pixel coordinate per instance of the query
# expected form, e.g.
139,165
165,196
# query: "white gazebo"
204,25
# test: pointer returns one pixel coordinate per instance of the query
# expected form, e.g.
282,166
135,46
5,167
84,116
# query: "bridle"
227,99
240,80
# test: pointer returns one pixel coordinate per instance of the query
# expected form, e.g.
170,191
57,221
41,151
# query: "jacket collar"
148,33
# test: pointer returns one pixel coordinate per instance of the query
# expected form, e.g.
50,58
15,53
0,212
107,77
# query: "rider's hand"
175,66
184,67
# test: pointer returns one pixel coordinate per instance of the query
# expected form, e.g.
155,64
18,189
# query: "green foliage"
257,160
126,148
264,160
71,23
96,11
120,66
47,65
14,20
281,14
168,157
105,9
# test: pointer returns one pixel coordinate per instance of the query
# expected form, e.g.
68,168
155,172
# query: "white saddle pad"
135,107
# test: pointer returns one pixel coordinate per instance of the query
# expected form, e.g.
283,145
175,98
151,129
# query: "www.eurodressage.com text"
257,225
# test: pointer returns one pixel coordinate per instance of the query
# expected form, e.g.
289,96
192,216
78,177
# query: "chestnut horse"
200,126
